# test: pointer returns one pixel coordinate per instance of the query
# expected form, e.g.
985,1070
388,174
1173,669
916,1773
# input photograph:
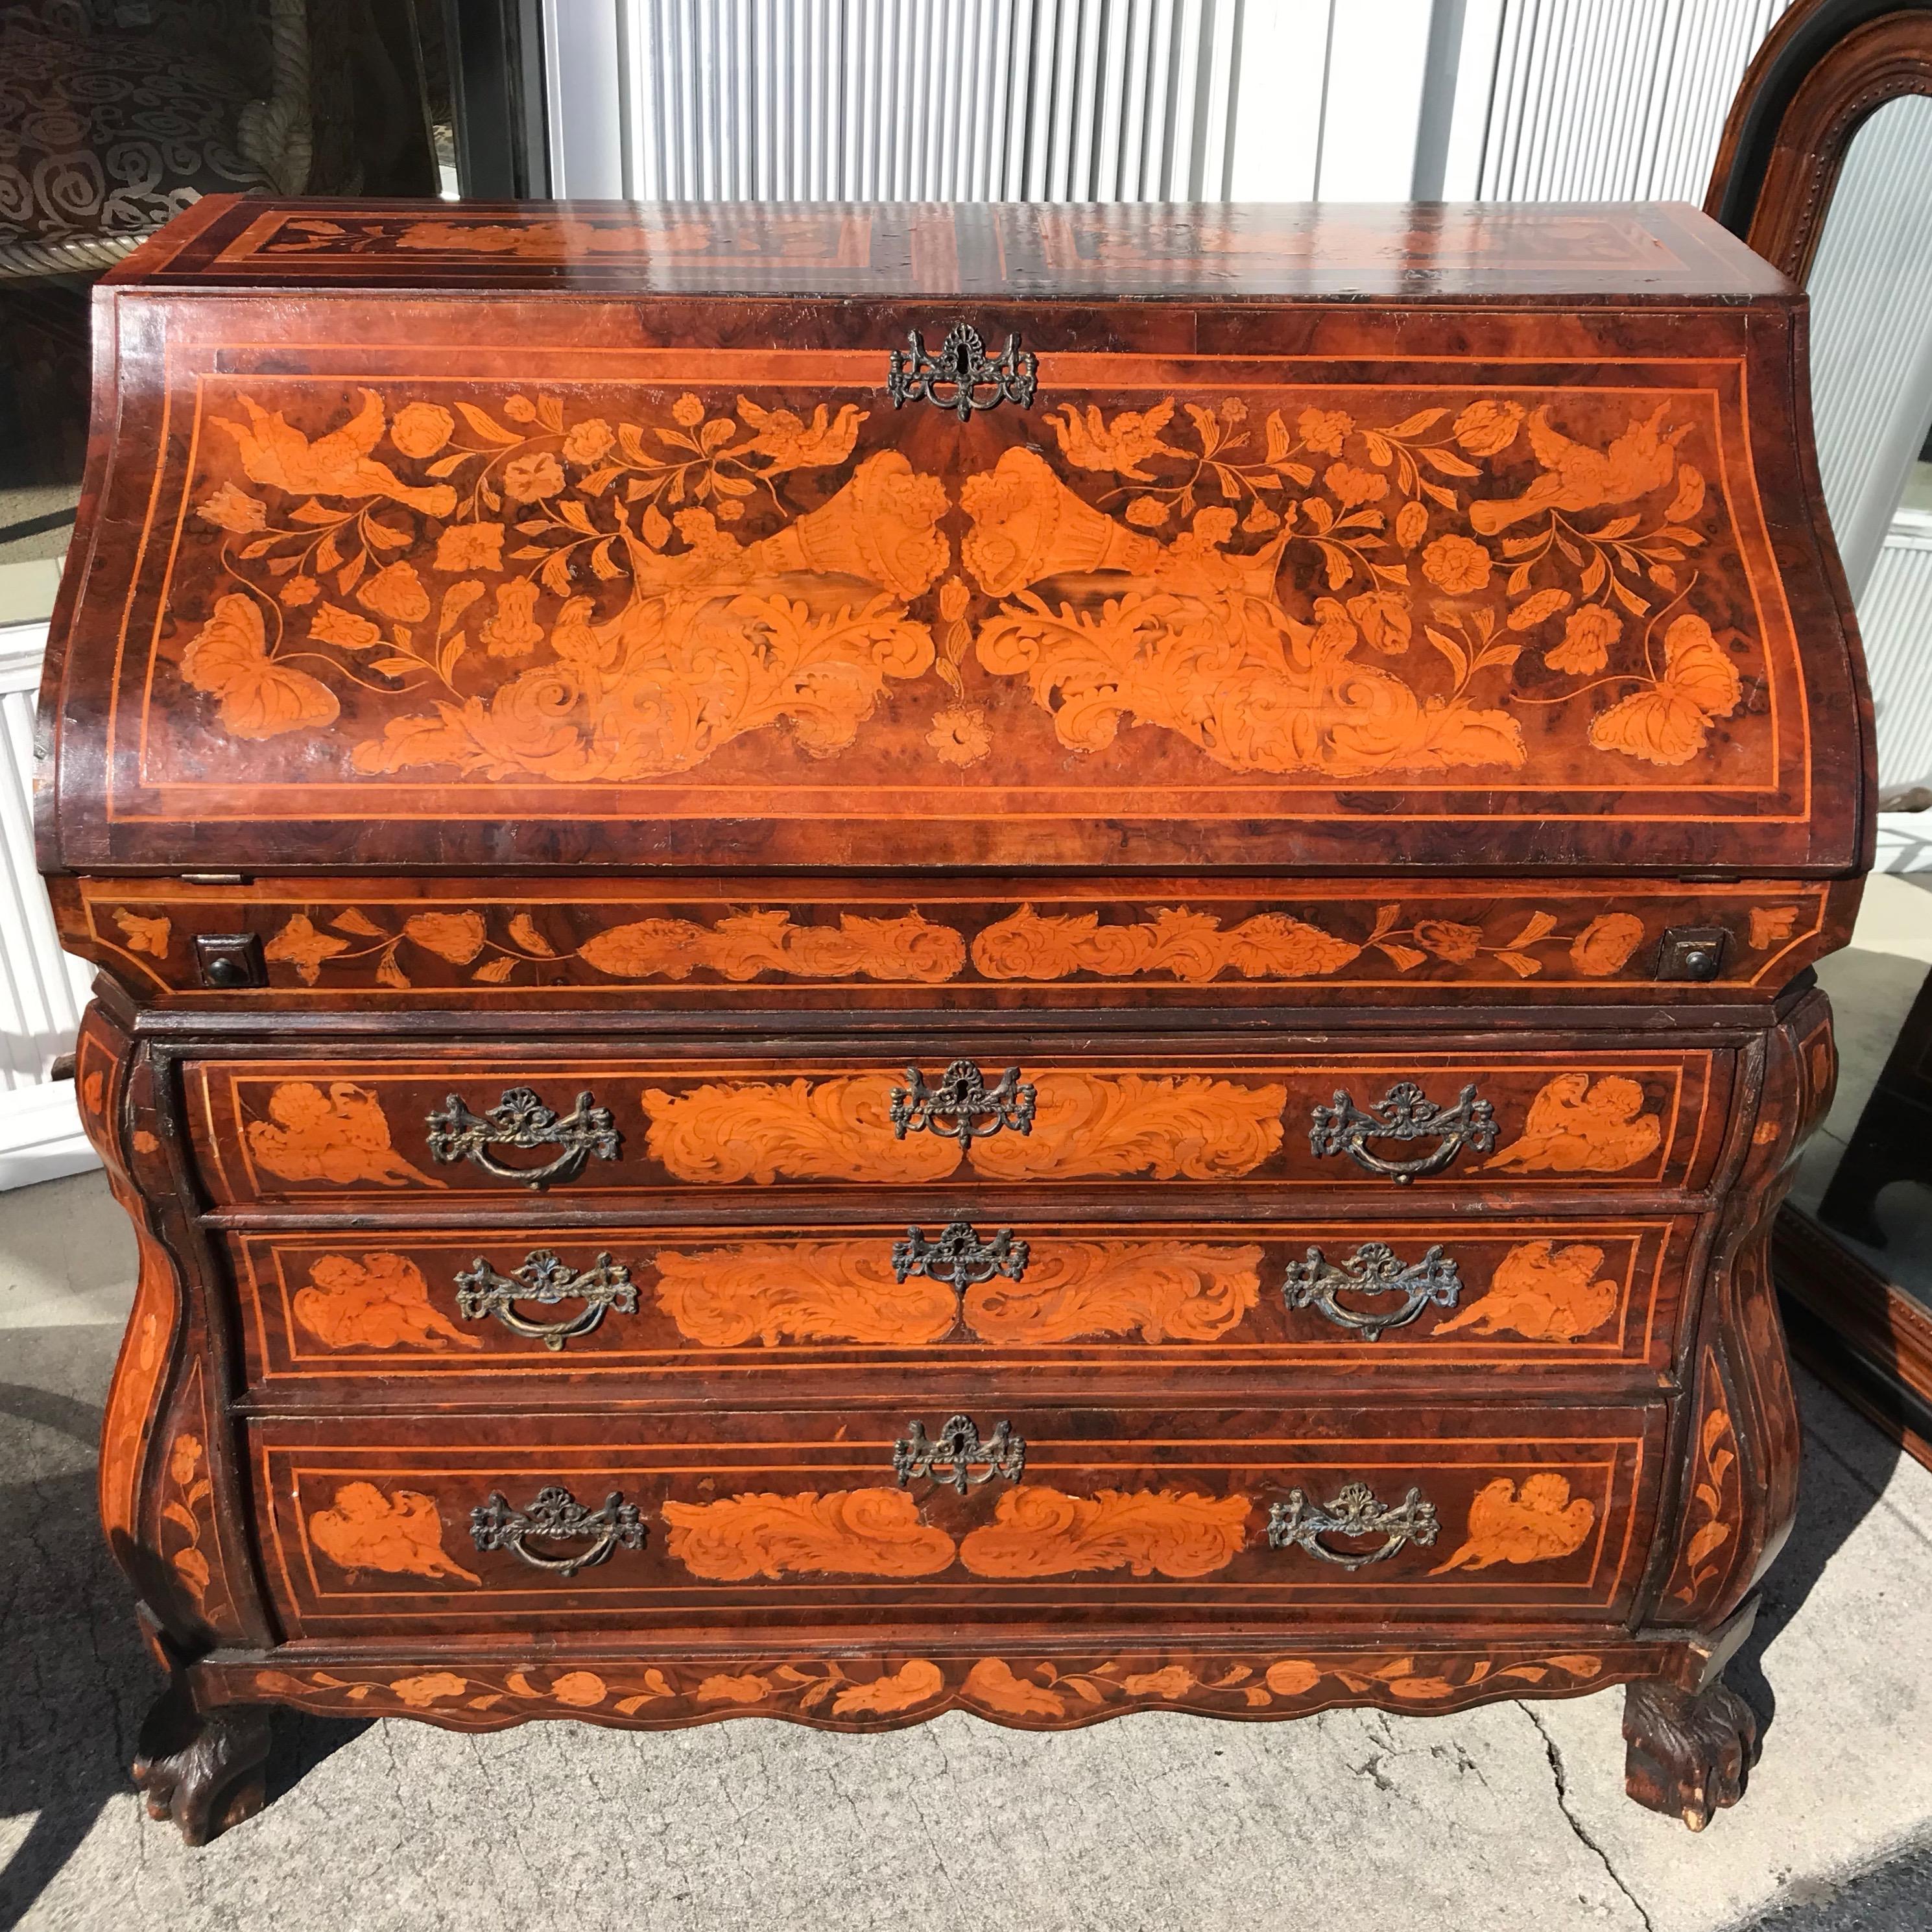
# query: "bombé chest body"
870,958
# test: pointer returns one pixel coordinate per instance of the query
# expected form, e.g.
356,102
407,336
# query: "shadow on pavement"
78,1679
1834,1496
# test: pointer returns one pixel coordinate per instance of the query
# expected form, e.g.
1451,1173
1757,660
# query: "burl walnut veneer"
862,960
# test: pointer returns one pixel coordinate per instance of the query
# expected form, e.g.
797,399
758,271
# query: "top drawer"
456,1125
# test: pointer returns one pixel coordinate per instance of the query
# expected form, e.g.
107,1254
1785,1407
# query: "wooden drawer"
453,1124
952,942
545,1308
792,1517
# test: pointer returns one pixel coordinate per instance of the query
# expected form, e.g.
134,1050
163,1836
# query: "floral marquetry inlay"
1038,1531
1174,943
1035,1531
771,1291
1572,937
608,583
1187,1127
417,948
1020,1689
744,946
1586,934
715,636
189,1491
837,1129
1717,1491
1085,1125
848,1532
848,1291
1181,621
1160,1291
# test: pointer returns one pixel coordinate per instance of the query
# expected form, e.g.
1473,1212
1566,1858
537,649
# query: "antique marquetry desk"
869,960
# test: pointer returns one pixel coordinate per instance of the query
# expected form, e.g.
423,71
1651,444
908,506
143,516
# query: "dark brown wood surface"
1608,251
1343,792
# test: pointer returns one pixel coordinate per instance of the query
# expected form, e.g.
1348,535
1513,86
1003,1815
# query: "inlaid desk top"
1585,251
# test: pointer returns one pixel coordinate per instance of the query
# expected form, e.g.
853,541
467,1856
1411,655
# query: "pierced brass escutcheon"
1374,1268
959,1256
960,1105
1299,1524
959,1450
521,1119
556,1515
953,379
543,1278
1406,1114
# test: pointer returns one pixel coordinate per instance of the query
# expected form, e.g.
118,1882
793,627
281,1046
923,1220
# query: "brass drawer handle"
521,1119
959,1450
1372,1269
1405,1115
605,1284
1299,1524
953,379
959,1256
961,1106
556,1515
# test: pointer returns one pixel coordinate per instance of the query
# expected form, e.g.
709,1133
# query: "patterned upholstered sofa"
115,115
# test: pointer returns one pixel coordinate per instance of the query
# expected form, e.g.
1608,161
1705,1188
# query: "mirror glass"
43,385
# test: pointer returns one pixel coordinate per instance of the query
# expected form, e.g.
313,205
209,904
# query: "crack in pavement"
1372,1771
1553,1752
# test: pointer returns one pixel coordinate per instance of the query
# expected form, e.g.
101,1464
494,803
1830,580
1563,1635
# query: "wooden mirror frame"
1823,70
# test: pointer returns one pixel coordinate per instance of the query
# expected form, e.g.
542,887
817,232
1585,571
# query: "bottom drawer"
795,1517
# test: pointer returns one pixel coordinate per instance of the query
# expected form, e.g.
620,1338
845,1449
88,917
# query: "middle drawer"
548,1306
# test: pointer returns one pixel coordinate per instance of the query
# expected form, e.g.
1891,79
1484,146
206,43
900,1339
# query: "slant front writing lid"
461,554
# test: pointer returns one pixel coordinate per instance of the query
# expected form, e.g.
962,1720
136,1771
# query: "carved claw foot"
1689,1753
203,1769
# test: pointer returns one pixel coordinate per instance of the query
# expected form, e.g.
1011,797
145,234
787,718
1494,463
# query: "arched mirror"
1826,170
